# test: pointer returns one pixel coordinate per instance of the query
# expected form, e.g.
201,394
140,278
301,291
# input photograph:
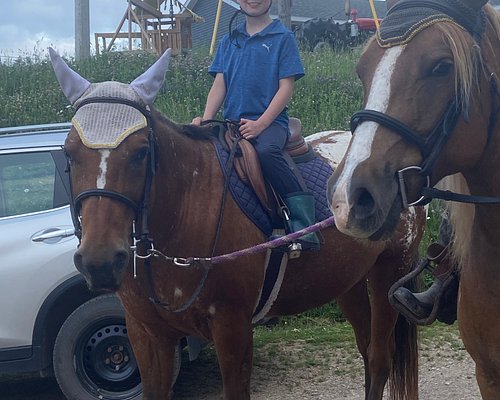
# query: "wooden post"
216,27
285,12
82,29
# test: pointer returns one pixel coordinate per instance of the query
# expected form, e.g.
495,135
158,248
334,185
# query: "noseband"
430,148
141,211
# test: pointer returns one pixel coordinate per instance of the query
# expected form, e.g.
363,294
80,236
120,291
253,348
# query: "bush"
29,93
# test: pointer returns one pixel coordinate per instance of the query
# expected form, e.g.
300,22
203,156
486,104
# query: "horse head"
421,76
111,157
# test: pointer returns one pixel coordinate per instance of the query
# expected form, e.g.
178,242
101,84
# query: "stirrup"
435,253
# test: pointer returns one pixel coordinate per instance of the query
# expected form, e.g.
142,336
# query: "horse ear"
149,83
72,84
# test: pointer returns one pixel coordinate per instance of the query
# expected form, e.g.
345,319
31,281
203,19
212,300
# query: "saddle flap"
247,167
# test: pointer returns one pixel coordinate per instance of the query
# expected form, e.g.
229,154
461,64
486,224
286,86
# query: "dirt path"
293,372
446,372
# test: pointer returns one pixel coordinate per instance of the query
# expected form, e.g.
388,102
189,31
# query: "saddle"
247,164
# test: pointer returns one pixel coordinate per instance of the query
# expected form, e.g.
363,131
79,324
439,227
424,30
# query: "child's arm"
250,129
215,99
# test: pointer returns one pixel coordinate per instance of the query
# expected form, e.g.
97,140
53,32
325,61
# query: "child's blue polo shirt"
252,67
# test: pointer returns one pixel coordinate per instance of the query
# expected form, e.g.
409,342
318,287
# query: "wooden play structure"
148,28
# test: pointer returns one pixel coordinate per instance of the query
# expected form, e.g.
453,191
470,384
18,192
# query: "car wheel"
93,358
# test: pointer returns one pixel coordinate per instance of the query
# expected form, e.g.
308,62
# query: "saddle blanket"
314,172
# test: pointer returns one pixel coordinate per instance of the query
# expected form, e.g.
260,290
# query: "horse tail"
403,378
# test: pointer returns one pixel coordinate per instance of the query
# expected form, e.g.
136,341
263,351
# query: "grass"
315,344
29,93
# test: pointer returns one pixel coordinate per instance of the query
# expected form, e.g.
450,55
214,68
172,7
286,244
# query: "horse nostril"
364,205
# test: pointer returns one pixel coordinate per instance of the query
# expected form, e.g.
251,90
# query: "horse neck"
475,226
187,182
485,178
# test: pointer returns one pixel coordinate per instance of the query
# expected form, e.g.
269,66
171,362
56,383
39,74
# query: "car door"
37,239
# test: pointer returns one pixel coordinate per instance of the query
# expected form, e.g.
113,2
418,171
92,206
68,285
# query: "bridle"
141,210
431,147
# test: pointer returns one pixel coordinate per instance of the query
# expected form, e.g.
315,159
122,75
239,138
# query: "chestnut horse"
136,176
430,79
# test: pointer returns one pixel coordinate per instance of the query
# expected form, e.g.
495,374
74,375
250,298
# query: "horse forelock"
467,63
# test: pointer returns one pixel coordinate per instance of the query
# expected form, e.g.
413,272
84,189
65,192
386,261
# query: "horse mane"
461,216
192,131
469,60
468,56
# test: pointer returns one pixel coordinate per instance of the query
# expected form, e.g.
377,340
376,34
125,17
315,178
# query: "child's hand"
250,129
197,121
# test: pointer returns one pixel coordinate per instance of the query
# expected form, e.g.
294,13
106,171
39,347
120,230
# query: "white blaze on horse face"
360,150
103,167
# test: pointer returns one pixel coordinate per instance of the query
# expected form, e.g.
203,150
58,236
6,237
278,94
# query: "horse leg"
355,306
233,341
155,355
488,382
393,348
479,331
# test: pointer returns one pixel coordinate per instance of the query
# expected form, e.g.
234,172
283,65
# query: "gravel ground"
446,372
291,373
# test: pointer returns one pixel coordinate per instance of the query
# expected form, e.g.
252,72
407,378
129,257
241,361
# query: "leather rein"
430,148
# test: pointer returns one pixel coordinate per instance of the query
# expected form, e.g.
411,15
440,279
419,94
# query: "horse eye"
442,68
141,154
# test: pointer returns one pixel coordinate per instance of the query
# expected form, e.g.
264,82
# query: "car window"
27,182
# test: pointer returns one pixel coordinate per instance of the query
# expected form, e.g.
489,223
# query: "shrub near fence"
29,94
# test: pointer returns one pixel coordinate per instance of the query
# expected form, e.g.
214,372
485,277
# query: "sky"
30,26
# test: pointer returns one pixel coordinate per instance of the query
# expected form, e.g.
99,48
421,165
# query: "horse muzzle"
103,271
362,209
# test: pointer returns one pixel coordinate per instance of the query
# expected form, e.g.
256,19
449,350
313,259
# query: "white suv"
50,321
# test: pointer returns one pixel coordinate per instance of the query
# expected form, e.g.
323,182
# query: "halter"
141,211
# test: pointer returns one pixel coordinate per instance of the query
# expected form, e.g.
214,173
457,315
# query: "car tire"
92,357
